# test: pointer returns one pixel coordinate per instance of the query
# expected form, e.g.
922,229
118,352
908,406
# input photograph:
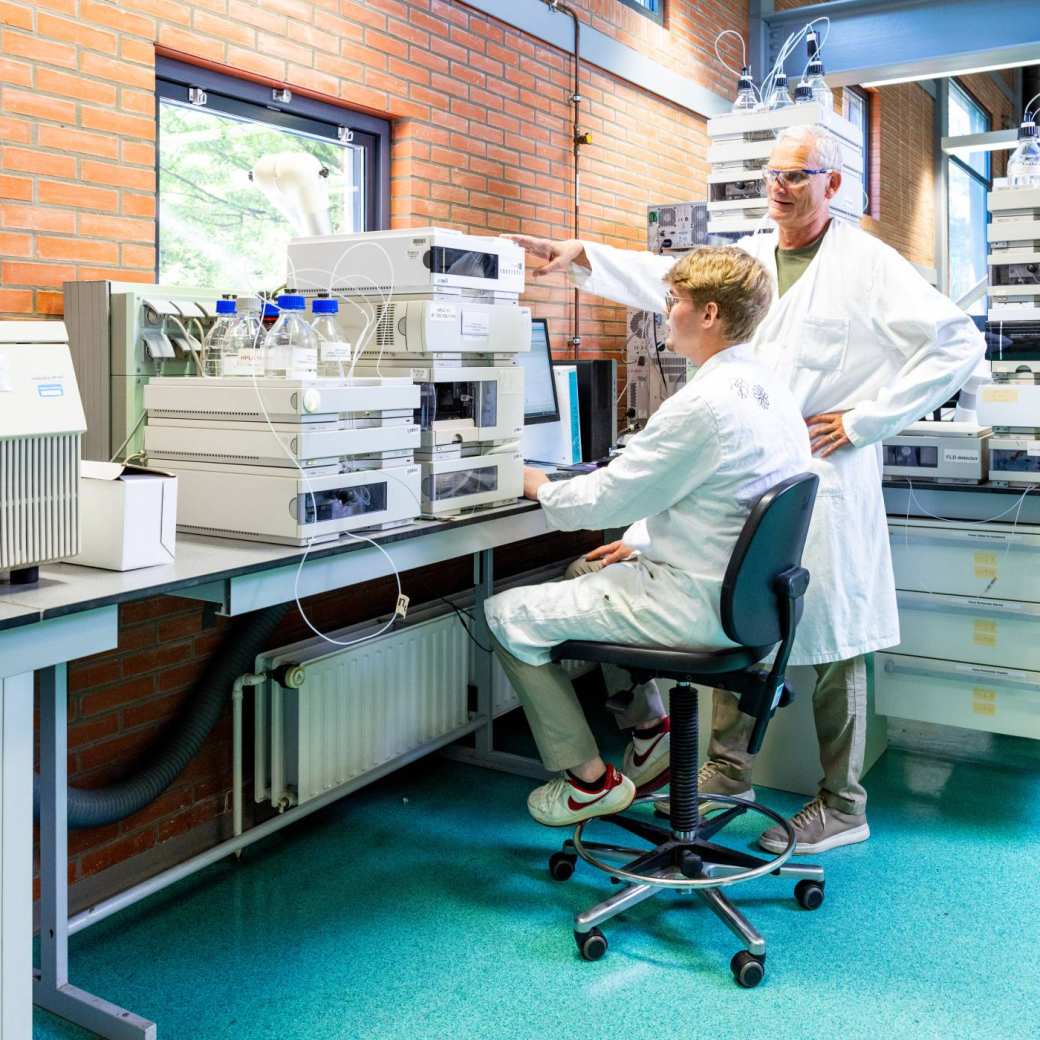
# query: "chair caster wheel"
592,945
561,865
809,894
748,969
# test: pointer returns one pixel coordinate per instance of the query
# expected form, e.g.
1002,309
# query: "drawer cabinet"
996,700
990,560
1002,633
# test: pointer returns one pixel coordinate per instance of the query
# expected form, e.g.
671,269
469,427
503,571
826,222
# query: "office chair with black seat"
761,604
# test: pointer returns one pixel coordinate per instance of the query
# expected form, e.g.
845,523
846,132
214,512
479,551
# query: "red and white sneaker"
565,801
647,759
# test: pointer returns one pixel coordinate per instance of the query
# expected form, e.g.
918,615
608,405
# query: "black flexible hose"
246,638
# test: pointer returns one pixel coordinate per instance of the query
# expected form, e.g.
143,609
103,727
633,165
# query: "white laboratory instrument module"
41,430
407,261
1014,461
1014,257
738,152
953,452
1010,405
287,461
449,320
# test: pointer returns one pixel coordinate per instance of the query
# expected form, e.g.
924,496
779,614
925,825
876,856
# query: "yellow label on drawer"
985,633
985,564
999,393
983,700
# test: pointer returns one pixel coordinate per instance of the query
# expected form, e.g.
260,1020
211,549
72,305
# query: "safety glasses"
791,178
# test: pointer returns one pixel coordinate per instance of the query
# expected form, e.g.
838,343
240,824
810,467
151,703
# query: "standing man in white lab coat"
866,347
704,459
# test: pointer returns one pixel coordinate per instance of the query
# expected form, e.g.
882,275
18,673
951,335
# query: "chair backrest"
771,542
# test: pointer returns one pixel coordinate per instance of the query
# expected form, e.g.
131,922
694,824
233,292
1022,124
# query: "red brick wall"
481,141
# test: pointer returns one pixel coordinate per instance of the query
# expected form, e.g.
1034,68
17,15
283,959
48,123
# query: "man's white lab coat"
694,472
862,332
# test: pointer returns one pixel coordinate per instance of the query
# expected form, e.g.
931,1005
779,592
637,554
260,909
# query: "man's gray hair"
826,150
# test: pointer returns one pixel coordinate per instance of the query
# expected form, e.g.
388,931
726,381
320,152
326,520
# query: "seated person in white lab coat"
702,461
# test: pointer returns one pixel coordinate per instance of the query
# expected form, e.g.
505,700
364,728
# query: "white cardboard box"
129,516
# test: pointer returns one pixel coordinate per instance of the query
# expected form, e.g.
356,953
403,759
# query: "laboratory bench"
72,612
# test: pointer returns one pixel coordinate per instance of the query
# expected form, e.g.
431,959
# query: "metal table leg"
16,751
483,752
51,987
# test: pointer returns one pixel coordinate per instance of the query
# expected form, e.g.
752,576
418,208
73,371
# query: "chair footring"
687,862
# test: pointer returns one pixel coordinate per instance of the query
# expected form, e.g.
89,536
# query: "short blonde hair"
731,279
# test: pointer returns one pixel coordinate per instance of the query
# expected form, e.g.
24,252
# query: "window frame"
655,14
246,98
975,178
864,98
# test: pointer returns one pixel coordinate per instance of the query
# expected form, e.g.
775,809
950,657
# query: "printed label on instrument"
994,394
982,708
985,564
960,455
985,633
443,312
475,323
983,700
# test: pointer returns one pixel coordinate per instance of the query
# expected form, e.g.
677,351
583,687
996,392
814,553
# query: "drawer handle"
1006,542
1006,613
891,668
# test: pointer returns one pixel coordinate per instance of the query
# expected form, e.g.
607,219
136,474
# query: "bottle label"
304,363
335,350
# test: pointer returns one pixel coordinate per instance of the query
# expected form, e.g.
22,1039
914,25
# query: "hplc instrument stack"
441,309
738,154
280,458
1011,404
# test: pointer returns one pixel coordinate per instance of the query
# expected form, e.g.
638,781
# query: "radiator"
359,708
362,707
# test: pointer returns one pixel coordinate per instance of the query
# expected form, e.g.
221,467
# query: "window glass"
855,107
967,208
968,117
217,228
652,8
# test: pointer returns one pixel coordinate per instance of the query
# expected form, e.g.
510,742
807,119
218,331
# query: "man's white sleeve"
677,451
941,345
625,276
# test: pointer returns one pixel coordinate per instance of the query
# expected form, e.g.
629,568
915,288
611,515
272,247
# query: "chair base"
685,862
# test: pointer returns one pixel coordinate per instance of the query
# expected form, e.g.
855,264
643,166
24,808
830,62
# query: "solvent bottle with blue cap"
215,347
333,349
291,347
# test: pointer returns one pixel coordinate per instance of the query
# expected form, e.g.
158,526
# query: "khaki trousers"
553,711
840,710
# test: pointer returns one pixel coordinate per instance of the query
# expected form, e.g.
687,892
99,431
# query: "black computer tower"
597,406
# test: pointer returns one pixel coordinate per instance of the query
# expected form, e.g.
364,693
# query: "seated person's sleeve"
676,452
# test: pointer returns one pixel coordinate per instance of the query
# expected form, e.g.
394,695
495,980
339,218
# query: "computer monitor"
540,402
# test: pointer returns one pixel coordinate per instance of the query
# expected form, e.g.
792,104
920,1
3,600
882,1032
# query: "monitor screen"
540,404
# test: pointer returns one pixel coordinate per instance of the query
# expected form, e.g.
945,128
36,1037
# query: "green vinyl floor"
421,907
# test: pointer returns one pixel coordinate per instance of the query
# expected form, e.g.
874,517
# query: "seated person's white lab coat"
704,458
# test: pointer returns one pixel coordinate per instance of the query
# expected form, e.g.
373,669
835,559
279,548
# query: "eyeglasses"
791,178
670,300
